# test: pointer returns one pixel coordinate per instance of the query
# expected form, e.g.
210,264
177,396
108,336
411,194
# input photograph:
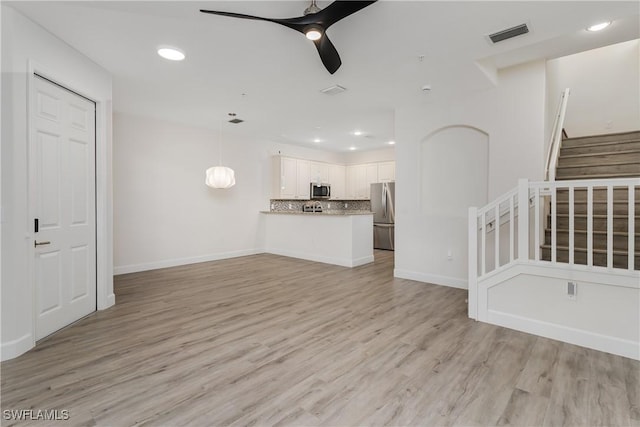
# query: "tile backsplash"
279,205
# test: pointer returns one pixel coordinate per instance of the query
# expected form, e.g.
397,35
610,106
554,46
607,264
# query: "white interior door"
63,185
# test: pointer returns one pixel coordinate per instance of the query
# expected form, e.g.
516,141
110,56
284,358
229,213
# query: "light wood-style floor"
269,340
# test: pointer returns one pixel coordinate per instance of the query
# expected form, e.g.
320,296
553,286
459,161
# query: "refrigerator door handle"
384,200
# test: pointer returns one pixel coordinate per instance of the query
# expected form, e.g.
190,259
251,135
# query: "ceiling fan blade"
339,10
328,54
290,23
234,15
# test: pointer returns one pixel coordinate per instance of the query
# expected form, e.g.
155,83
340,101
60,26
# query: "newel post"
473,263
523,219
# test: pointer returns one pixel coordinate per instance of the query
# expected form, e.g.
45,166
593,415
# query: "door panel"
48,147
79,156
63,157
48,272
79,261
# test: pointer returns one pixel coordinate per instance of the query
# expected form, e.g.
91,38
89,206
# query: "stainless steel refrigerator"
383,196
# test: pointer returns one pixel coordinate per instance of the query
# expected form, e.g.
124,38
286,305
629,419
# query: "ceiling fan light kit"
313,32
313,24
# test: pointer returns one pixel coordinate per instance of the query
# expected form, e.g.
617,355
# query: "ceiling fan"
313,25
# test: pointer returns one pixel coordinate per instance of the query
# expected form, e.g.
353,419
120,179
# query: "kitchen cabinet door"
319,172
356,182
386,171
285,178
371,177
304,179
337,179
362,185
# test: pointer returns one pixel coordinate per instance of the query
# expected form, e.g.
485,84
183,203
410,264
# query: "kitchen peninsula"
341,236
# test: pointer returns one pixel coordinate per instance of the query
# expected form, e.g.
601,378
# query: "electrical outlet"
449,255
328,205
572,290
346,205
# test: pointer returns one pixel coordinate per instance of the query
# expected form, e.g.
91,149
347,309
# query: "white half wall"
431,241
605,315
606,99
345,240
165,215
27,47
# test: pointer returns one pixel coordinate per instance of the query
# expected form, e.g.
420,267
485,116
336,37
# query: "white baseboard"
435,279
111,301
343,262
567,334
124,269
362,261
11,349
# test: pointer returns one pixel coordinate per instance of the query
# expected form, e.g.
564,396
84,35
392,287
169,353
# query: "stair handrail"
556,137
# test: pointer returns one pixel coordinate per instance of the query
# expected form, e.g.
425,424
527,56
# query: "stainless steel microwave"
320,191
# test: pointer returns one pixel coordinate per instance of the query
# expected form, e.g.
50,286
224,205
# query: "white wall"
513,116
165,215
605,315
27,47
605,88
459,156
370,156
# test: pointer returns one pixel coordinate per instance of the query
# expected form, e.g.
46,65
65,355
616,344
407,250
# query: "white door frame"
104,265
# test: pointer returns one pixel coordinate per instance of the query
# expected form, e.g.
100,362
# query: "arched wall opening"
454,170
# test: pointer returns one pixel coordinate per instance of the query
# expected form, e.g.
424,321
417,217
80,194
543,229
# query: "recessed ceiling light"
352,148
171,53
333,90
316,140
391,142
599,27
357,132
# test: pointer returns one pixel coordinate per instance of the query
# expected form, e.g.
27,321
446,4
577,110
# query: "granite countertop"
327,212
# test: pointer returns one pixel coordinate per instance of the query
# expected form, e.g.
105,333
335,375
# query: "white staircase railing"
556,137
502,233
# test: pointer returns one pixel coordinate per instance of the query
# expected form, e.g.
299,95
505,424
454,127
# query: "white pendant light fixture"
220,176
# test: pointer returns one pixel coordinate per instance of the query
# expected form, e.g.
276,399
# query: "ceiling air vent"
234,119
333,90
518,30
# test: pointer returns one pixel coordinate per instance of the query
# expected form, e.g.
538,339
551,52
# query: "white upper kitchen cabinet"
386,171
372,177
304,180
290,178
337,179
357,184
319,172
